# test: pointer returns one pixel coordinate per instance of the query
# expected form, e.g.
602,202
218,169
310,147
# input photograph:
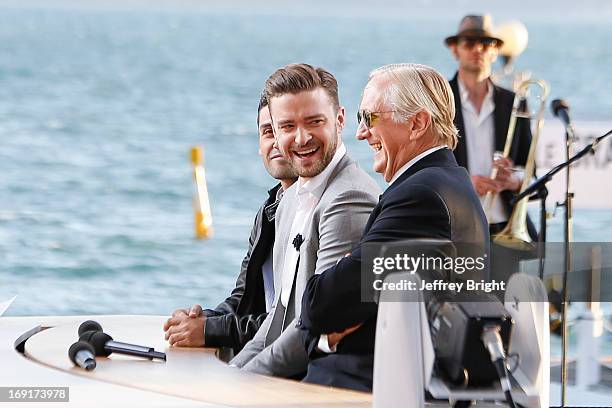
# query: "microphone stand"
537,187
541,182
567,254
541,194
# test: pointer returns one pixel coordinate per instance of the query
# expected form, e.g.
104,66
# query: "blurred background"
101,101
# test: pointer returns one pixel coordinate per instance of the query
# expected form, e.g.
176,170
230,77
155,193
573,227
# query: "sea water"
99,107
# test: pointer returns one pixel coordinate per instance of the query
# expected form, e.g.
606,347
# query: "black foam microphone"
560,109
89,325
297,241
104,345
82,354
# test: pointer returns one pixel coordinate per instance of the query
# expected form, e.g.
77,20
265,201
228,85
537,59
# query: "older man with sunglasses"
482,117
406,116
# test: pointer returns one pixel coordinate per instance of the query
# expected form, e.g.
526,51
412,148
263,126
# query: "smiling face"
307,129
388,139
394,144
274,162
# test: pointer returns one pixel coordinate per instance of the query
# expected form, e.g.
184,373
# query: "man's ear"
340,119
419,124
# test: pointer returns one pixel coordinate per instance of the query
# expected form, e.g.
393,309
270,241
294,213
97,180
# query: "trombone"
515,234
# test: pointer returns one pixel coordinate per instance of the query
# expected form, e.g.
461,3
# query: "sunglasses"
470,43
369,118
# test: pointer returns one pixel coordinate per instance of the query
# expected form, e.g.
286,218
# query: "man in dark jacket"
406,116
236,320
482,117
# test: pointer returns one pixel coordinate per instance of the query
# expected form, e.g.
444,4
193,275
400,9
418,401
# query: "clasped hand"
186,327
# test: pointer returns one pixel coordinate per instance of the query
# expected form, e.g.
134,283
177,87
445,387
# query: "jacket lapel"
288,313
284,217
283,220
439,158
500,119
276,326
461,149
342,164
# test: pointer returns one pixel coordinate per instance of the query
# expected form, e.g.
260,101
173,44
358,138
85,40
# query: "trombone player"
483,112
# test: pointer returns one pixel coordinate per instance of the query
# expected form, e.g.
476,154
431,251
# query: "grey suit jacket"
334,228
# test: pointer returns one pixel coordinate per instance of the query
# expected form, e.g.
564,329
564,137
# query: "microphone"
297,241
560,109
89,325
81,354
104,345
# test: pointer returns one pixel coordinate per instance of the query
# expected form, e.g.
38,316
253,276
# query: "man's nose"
362,131
301,136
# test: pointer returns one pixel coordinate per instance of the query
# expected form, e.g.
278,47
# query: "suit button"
299,323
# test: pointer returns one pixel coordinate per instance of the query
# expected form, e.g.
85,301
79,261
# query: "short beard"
283,173
318,167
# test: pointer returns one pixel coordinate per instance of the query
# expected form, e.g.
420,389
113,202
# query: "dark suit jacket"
503,100
433,199
236,320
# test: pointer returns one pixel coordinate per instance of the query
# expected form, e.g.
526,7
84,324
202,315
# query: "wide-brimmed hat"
475,26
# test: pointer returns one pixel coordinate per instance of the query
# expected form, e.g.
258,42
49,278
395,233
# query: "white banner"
591,176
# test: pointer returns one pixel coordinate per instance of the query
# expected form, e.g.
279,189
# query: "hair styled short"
296,78
415,87
263,102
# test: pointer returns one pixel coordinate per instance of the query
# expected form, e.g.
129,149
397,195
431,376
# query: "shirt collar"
279,193
465,95
413,161
316,184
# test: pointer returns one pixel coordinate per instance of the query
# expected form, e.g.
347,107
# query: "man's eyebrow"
309,117
265,124
315,116
284,121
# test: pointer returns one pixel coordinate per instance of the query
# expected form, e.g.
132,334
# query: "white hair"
413,88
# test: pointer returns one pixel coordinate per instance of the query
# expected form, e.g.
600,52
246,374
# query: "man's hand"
185,331
195,311
506,178
176,318
186,327
334,338
484,184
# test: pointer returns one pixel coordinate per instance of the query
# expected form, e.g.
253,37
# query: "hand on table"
186,327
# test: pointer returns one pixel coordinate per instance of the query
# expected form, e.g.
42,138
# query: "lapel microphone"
297,241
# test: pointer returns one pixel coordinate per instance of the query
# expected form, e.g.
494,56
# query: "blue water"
98,110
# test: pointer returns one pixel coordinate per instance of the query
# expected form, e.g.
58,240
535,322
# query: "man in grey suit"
320,218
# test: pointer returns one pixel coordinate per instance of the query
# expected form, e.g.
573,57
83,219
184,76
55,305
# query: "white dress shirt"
480,143
268,269
308,193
